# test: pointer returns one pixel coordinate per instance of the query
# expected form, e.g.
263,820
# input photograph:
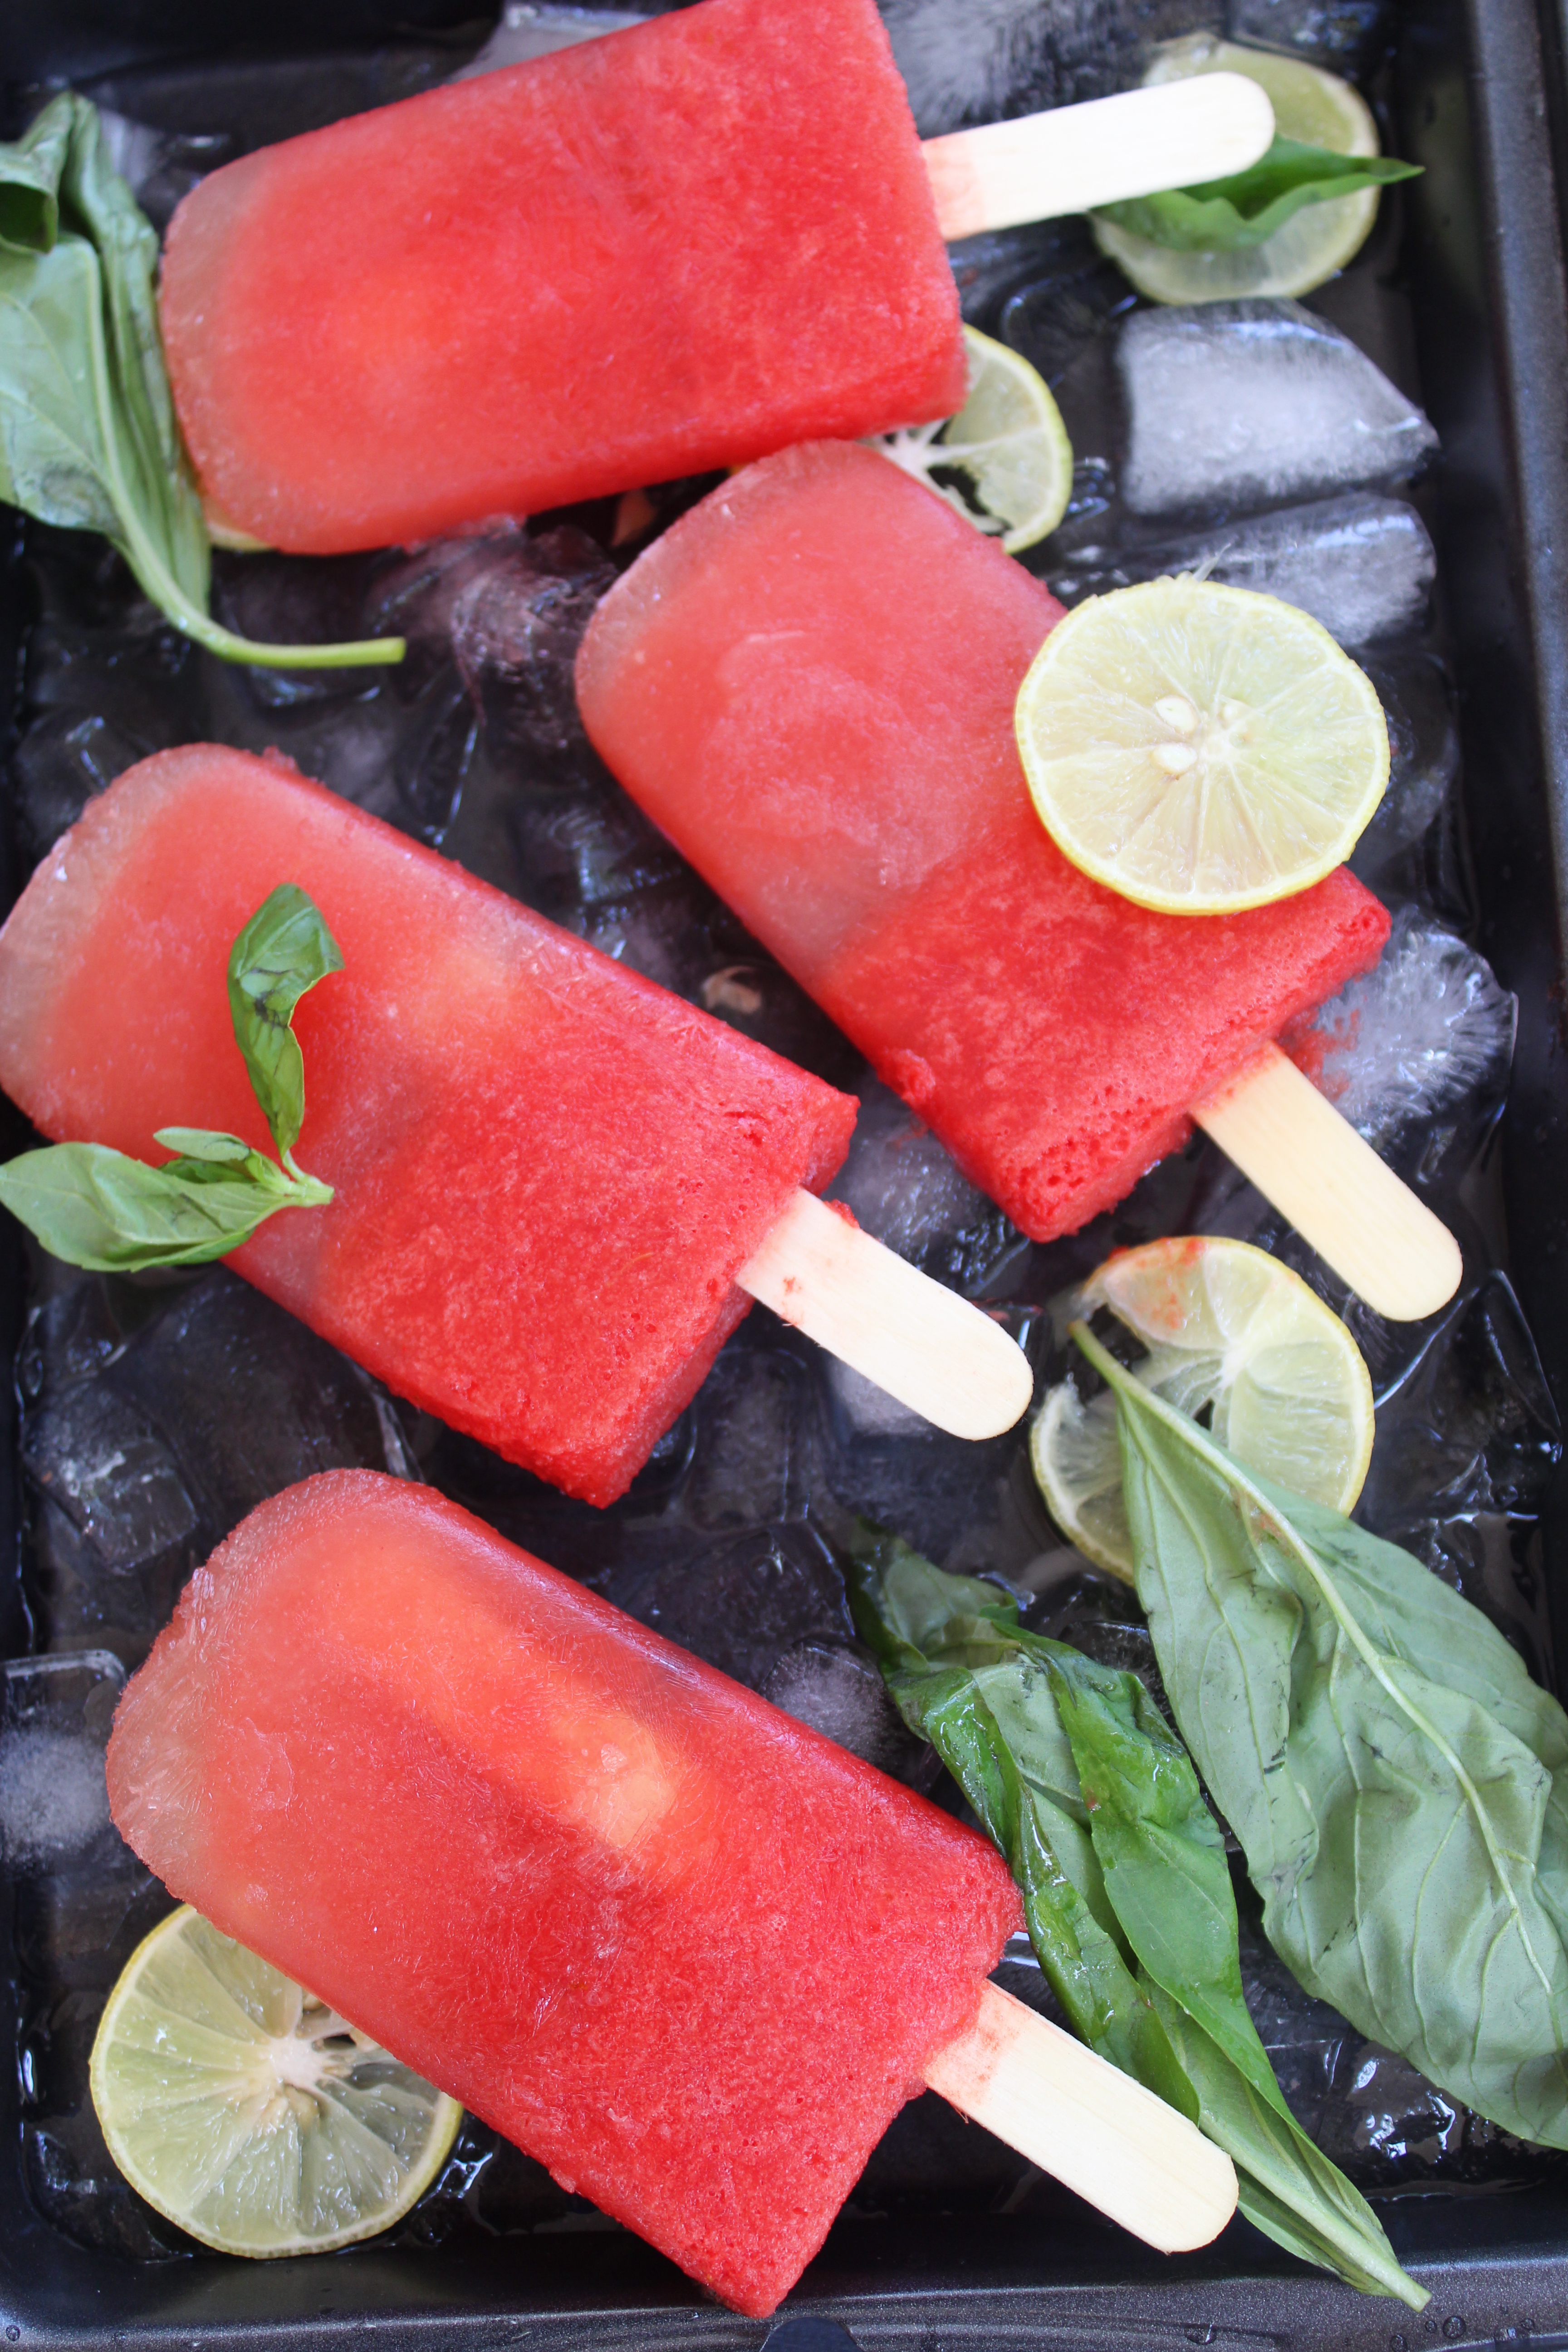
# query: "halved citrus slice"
1009,441
1317,109
1200,749
247,2111
1231,1332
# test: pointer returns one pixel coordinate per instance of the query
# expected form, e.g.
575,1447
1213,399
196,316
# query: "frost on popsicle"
98,1208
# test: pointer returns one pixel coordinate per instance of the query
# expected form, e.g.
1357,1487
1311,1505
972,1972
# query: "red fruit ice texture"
669,249
548,1171
809,684
685,1951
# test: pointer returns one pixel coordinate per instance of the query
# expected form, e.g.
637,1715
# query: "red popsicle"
549,1172
685,1951
654,253
809,684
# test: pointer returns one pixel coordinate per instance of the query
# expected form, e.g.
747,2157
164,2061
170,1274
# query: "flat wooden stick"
1356,1213
939,1354
1088,2124
1074,157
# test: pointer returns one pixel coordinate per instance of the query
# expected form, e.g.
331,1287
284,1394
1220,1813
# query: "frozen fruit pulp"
682,1949
809,684
645,255
548,1171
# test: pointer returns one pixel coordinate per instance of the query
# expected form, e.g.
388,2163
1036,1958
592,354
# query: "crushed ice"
1429,1023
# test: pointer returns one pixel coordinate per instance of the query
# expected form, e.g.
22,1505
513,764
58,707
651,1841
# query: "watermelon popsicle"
553,1180
809,684
685,1951
663,251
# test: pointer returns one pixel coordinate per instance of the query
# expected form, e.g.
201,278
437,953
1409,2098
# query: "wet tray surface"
151,1418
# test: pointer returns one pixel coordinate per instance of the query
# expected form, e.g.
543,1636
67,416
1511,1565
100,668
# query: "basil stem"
87,435
101,1209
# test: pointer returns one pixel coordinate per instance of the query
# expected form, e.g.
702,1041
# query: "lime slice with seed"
1229,1330
1317,109
1200,749
248,2112
1008,442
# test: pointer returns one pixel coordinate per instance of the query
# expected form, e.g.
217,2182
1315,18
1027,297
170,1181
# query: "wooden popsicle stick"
1356,1213
1075,157
934,1351
1088,2124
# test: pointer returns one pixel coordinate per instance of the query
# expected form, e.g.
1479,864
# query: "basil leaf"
96,1208
202,1143
88,432
283,950
1223,215
1397,1781
1074,1775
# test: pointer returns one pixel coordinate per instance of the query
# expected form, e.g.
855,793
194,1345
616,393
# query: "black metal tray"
1478,96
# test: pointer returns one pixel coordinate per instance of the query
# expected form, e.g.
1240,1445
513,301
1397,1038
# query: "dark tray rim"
1497,2267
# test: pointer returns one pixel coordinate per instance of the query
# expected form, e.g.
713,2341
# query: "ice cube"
534,28
1468,1445
840,1693
904,1188
54,1715
738,1600
979,60
1423,756
1363,565
748,1471
516,623
1345,35
1429,1023
1249,404
139,1466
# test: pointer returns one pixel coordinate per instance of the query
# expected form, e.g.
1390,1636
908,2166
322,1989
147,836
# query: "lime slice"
1007,440
247,2111
1200,749
1314,107
1227,1328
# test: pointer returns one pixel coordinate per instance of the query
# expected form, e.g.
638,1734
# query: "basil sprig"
1223,215
1077,1777
100,1209
1397,1783
89,437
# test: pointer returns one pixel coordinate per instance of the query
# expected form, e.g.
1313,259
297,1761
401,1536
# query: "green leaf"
203,1143
1074,1775
96,1208
1221,216
88,433
1395,1779
283,950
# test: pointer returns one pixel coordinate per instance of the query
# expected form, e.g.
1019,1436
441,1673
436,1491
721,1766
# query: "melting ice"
1363,565
1247,403
1426,1026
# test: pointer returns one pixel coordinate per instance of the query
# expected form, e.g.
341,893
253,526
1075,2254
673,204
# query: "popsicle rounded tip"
1099,2132
923,1345
1423,1278
997,1391
1362,1219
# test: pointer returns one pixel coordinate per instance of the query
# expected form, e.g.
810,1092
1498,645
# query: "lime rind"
1200,749
1228,1330
249,2114
1007,440
1309,105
